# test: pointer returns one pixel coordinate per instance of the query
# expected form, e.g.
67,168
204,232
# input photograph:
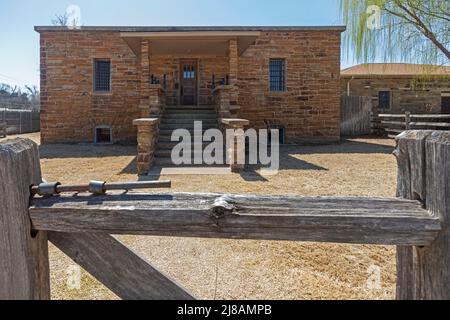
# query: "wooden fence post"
407,120
24,265
424,272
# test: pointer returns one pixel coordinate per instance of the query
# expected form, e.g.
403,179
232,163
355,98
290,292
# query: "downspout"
349,86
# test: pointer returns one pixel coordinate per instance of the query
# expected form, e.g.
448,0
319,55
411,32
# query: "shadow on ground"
131,168
289,157
60,151
371,146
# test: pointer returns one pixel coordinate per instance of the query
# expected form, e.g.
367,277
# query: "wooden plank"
410,185
424,272
416,116
24,266
393,123
320,219
355,115
431,116
391,116
432,263
430,124
118,267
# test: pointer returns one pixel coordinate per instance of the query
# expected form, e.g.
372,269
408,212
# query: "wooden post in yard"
423,159
24,265
407,120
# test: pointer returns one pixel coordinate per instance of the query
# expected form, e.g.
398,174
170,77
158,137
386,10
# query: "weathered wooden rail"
322,219
81,225
393,124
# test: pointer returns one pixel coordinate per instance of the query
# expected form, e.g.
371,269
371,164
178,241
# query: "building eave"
190,28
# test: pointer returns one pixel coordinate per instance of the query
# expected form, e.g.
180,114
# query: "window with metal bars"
102,75
103,134
277,70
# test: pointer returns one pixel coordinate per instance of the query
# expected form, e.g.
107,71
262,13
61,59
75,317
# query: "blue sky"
19,43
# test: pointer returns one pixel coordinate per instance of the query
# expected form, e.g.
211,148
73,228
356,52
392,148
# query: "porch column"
233,56
233,60
145,79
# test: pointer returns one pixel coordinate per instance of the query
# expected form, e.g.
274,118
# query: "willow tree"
416,31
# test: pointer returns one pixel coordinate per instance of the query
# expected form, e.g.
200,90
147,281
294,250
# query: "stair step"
167,138
206,107
167,162
188,121
165,127
168,153
201,111
191,116
166,145
169,132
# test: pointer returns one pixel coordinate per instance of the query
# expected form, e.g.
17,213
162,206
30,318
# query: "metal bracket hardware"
95,187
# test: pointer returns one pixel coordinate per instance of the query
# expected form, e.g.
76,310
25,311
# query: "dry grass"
248,269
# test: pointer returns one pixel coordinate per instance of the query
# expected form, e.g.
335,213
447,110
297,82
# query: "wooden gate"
355,115
418,222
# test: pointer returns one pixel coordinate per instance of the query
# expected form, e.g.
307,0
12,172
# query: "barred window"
277,70
102,75
103,134
384,99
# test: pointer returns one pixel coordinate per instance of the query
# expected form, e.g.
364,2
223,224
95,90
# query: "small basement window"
102,75
277,70
103,134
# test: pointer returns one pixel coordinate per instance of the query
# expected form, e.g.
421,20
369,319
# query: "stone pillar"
147,136
145,79
233,60
222,101
238,146
157,99
233,56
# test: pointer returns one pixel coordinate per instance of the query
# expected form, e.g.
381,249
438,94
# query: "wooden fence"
418,222
393,124
17,121
355,115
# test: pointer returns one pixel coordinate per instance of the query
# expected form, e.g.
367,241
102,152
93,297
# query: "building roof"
192,28
394,69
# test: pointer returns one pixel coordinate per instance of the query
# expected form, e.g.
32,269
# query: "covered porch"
184,73
189,68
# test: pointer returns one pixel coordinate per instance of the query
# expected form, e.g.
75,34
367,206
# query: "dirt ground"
231,269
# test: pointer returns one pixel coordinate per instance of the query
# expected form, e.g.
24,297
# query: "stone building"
397,88
96,80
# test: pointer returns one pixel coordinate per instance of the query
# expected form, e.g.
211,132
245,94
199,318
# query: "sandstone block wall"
309,109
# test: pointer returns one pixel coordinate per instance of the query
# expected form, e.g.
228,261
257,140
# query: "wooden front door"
446,105
189,72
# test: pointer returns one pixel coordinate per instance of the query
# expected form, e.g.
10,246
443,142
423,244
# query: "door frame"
197,79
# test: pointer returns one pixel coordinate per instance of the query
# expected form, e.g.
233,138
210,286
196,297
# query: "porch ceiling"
190,43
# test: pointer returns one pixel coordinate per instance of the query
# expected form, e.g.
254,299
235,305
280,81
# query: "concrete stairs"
182,117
